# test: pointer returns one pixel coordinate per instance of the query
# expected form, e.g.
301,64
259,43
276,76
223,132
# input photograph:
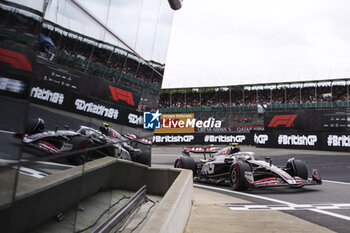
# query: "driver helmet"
108,131
235,148
104,128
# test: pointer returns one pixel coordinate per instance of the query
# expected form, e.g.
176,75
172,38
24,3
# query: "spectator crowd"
97,52
240,97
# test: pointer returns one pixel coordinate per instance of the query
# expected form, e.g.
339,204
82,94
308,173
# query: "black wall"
312,140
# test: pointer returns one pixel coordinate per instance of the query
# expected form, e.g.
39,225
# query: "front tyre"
296,167
236,176
144,156
186,162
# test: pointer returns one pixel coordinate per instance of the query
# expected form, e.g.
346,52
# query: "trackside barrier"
311,140
203,138
40,200
173,210
289,139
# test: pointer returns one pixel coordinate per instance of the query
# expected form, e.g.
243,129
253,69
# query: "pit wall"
289,139
38,201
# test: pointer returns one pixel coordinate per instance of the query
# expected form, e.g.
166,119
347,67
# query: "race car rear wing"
137,138
202,149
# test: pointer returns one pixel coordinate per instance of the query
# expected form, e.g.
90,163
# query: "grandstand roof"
272,86
268,80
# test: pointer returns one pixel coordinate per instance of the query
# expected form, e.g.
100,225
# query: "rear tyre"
236,176
186,162
80,143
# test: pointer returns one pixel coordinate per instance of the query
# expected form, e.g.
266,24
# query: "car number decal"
208,168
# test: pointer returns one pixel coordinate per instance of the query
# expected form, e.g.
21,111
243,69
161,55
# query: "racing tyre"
296,167
236,176
80,143
108,151
144,156
186,162
34,126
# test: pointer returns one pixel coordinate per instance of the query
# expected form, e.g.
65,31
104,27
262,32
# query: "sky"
236,42
144,25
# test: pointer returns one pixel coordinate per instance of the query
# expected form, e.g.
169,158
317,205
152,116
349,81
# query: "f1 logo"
119,94
286,120
16,60
151,120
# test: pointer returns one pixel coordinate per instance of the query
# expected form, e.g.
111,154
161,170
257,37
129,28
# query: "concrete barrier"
173,210
41,199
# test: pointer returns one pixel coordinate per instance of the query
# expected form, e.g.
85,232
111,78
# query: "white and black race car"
241,171
108,142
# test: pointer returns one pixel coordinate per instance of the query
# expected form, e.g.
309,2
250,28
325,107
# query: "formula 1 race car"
129,146
109,142
230,166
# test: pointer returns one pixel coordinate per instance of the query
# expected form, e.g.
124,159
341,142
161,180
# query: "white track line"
332,214
55,164
335,182
272,200
342,206
5,131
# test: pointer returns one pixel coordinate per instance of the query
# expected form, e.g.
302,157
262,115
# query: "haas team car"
108,142
241,171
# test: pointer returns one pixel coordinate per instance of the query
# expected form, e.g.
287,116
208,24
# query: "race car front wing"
277,182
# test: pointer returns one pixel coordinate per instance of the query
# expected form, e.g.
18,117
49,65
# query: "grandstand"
244,105
100,59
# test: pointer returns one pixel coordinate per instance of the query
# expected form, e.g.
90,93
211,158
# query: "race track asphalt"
326,206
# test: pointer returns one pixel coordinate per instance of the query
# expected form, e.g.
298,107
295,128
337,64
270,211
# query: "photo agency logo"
151,120
155,120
